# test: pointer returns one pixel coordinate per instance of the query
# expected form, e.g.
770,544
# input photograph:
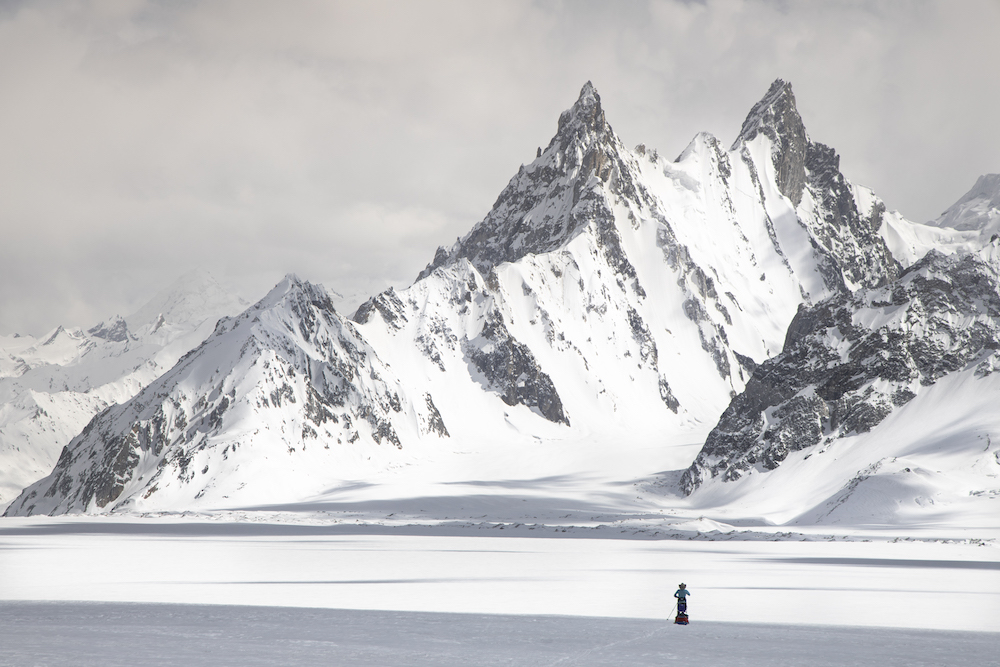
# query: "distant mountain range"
607,289
51,386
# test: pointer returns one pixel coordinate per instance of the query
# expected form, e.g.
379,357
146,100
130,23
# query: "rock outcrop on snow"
850,361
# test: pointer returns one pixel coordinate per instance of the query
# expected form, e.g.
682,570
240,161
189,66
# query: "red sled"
681,619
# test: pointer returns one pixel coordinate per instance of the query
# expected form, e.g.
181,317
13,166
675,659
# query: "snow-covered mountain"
627,277
277,399
51,386
607,291
978,210
846,381
849,361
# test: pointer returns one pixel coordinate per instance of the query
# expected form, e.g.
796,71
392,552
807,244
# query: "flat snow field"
130,634
193,590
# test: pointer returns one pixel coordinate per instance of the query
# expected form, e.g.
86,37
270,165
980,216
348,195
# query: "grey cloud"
345,141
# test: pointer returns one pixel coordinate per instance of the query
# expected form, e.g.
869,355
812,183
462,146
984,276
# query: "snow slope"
50,387
644,291
978,210
880,410
276,398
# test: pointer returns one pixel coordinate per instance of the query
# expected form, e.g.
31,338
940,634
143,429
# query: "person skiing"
681,595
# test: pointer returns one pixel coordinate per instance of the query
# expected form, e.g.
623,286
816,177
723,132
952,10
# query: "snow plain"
124,635
269,588
557,553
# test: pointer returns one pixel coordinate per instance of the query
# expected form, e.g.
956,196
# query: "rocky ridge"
288,375
850,361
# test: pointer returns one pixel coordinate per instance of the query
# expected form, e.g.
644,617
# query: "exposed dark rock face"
435,424
550,201
850,251
851,360
509,368
777,117
115,331
387,304
851,243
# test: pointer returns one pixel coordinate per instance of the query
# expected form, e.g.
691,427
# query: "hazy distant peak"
194,296
977,210
987,186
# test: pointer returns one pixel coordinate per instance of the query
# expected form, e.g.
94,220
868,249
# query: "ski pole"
671,611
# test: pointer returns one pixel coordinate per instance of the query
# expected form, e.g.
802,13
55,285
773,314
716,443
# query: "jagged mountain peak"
296,291
776,117
774,114
605,288
585,117
187,301
542,207
584,140
290,284
701,141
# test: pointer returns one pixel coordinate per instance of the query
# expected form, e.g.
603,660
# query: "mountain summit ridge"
534,212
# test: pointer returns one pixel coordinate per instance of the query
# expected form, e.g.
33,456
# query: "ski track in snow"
123,635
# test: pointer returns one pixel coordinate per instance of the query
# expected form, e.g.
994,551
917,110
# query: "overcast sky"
346,141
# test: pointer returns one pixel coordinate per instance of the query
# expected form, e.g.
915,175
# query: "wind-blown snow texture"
608,291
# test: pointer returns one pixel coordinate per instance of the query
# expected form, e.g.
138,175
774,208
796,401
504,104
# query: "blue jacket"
682,593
